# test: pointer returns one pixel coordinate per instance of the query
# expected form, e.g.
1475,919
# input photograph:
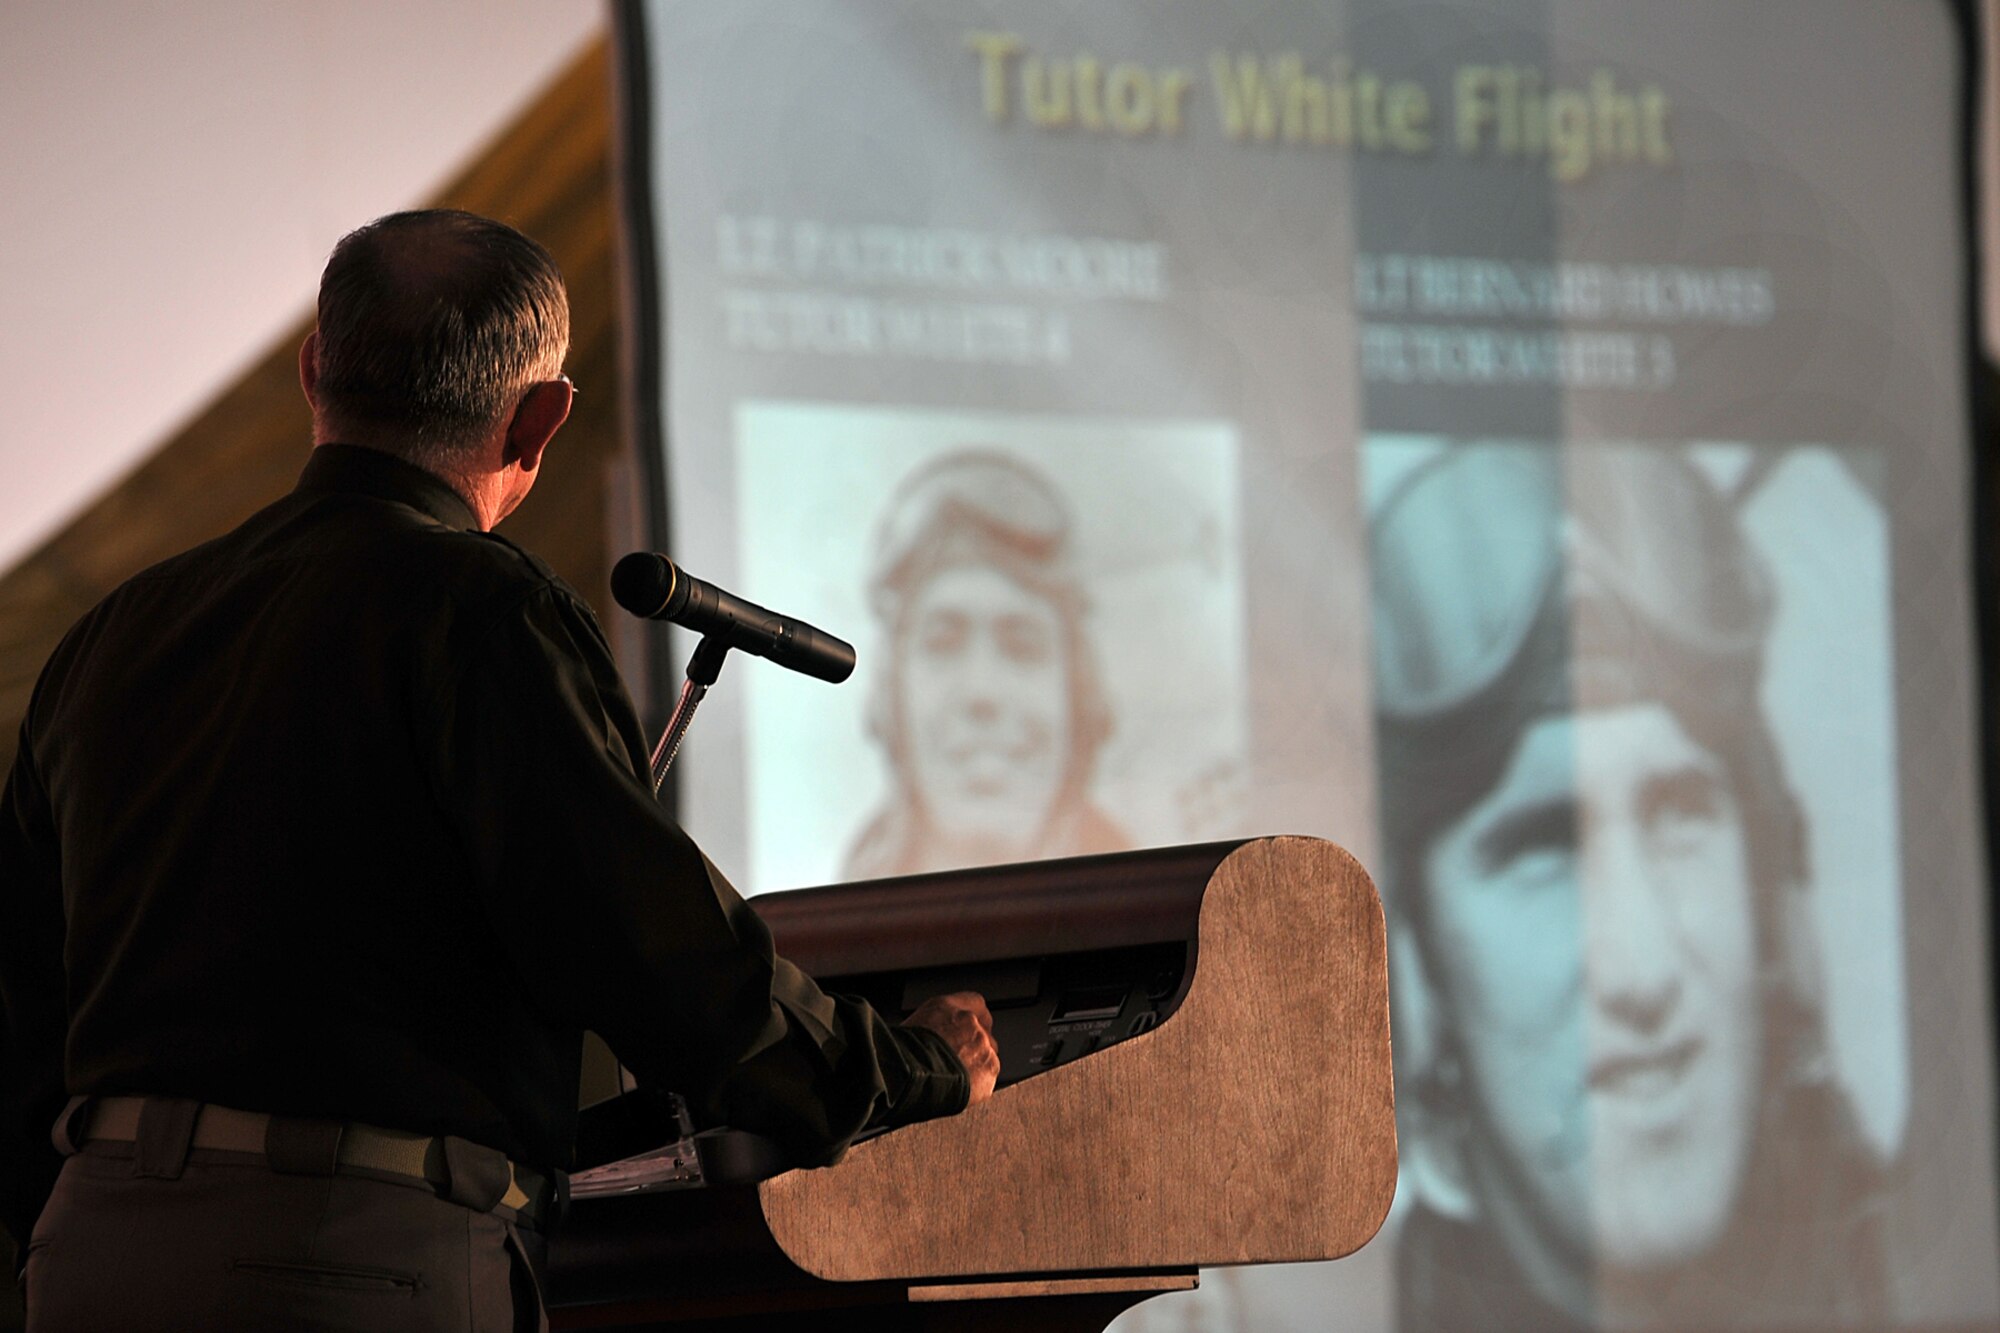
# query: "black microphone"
653,587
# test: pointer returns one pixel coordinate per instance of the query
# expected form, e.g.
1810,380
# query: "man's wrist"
938,1082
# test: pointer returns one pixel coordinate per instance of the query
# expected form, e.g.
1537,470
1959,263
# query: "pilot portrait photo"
1043,612
991,711
1622,1105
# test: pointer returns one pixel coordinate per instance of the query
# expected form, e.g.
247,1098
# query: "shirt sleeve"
619,924
33,1018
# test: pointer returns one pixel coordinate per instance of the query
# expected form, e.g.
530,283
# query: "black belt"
460,1170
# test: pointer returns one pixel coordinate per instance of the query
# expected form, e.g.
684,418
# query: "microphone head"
642,582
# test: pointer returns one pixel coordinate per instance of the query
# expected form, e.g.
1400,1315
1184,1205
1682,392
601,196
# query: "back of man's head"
431,326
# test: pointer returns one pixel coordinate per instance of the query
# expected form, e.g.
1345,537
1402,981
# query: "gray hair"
432,324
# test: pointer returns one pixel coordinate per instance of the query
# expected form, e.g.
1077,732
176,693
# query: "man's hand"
965,1022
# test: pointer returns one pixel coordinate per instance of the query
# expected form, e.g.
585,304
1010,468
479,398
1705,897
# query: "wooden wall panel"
549,173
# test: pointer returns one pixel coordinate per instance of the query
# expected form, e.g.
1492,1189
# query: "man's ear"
309,369
541,414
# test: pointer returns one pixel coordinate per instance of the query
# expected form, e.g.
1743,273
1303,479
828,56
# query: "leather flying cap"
1588,576
972,507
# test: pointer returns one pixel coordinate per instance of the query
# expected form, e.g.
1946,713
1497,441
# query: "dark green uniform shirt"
346,814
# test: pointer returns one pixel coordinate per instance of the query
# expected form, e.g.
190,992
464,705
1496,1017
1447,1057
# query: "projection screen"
1526,442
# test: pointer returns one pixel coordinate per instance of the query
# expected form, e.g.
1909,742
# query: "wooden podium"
1254,1122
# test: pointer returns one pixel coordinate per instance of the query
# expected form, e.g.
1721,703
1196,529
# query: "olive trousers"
227,1245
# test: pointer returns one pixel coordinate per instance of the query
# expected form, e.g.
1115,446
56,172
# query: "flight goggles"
1628,554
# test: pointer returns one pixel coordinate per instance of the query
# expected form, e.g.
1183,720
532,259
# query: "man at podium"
327,840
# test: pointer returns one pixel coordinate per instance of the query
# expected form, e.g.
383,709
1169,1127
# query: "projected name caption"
1571,128
1456,288
802,265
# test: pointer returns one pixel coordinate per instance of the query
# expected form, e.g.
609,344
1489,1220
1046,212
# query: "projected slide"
1524,441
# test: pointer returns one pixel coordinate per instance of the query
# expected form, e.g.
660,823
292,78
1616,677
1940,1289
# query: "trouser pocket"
339,1277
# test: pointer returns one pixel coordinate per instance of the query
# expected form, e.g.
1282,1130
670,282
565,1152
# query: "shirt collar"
355,470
